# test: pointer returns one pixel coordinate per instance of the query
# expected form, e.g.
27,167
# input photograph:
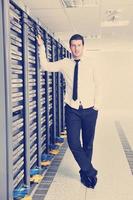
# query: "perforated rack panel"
55,90
32,88
17,95
60,92
50,75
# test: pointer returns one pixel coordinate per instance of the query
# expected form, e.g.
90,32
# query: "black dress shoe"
88,181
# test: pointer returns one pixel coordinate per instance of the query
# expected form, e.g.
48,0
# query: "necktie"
75,81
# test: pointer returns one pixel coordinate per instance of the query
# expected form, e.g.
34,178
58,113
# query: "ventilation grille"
80,3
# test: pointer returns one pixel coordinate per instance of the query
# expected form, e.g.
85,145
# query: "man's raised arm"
44,63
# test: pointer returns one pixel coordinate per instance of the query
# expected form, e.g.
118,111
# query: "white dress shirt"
89,80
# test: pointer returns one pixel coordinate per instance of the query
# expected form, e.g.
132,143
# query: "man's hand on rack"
39,40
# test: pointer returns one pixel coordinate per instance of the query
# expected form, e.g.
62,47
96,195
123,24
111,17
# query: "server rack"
62,80
43,104
57,93
30,121
50,88
63,54
61,83
32,94
19,138
3,112
54,58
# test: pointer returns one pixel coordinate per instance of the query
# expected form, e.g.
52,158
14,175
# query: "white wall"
117,74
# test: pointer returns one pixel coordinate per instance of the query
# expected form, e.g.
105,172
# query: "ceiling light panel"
41,4
80,3
125,2
116,16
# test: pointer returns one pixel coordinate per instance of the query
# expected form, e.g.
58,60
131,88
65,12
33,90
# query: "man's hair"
76,37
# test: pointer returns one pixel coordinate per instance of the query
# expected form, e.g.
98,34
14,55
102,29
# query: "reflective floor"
113,157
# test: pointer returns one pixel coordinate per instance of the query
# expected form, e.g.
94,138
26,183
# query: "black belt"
81,107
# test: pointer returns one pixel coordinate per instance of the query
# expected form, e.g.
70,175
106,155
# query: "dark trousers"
85,120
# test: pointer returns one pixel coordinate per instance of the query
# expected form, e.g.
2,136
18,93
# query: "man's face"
77,47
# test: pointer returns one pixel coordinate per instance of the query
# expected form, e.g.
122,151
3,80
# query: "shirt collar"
73,59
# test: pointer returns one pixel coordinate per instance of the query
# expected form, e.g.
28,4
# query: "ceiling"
88,20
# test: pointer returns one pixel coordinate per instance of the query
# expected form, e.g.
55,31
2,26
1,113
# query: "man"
83,99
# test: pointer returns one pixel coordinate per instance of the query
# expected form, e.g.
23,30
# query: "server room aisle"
113,159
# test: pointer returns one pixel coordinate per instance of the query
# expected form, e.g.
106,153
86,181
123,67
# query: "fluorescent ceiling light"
115,23
113,18
79,3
